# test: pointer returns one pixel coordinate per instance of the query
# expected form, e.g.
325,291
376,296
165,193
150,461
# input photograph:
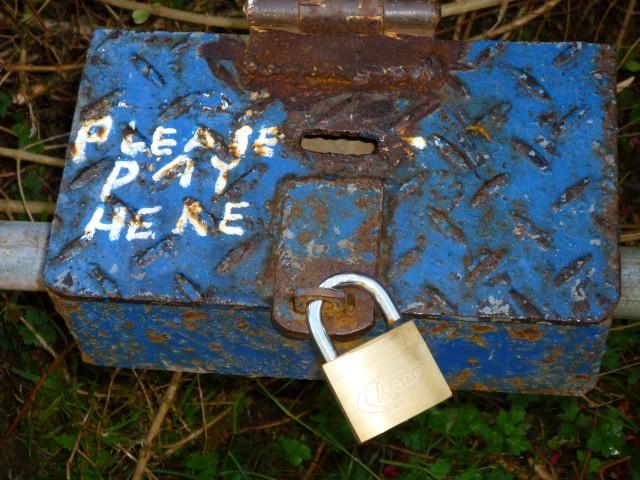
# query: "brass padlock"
384,381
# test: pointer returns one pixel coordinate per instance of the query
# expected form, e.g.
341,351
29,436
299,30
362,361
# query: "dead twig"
625,327
174,447
519,22
43,343
315,461
11,67
181,15
625,23
624,367
27,404
23,199
76,443
610,465
18,154
458,8
17,206
630,237
167,401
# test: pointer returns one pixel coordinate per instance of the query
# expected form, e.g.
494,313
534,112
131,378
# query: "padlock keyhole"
339,144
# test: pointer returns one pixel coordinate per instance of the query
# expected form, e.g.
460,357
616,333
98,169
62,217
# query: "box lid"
497,160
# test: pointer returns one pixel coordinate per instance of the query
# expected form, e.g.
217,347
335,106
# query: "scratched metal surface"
499,180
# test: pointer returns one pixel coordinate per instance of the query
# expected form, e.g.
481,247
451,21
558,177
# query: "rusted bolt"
336,299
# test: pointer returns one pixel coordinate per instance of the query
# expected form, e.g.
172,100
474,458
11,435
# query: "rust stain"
194,315
86,358
483,328
438,327
461,378
530,333
478,340
158,338
553,356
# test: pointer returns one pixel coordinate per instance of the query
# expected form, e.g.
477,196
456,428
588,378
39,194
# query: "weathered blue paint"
498,220
500,356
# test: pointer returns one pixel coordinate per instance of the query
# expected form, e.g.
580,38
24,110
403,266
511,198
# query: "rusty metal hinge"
409,17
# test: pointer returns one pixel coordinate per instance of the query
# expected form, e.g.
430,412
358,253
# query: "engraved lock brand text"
384,392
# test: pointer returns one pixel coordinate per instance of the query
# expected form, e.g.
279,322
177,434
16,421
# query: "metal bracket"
327,227
409,17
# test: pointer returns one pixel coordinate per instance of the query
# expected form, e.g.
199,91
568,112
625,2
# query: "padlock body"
386,381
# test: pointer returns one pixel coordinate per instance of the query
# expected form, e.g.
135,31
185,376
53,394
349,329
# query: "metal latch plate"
328,227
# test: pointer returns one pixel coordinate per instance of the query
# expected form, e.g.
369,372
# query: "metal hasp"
487,205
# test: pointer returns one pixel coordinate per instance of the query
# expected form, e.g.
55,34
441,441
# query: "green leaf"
608,437
417,440
204,465
498,474
5,102
440,468
510,432
26,136
632,65
140,16
610,360
65,441
39,320
293,451
594,463
471,473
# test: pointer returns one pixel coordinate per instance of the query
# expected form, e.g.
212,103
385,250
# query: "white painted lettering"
159,141
92,131
202,138
240,141
416,142
229,216
137,222
128,146
191,216
114,181
170,169
114,228
265,142
224,168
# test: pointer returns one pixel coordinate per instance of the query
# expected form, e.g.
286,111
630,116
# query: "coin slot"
339,144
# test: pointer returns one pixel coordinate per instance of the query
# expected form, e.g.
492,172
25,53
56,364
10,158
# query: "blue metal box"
189,210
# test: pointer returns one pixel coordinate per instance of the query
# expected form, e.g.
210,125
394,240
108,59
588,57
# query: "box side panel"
479,355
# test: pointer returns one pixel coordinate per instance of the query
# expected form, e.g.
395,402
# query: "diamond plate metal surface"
498,172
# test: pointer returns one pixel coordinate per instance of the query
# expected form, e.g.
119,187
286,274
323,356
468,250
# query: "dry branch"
520,21
173,14
41,68
172,448
458,8
17,206
31,157
167,401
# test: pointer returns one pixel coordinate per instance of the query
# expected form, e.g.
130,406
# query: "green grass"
90,423
93,421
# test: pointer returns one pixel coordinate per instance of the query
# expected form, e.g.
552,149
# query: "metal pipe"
22,250
629,304
23,246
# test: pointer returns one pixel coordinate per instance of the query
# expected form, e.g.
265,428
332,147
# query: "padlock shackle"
314,316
